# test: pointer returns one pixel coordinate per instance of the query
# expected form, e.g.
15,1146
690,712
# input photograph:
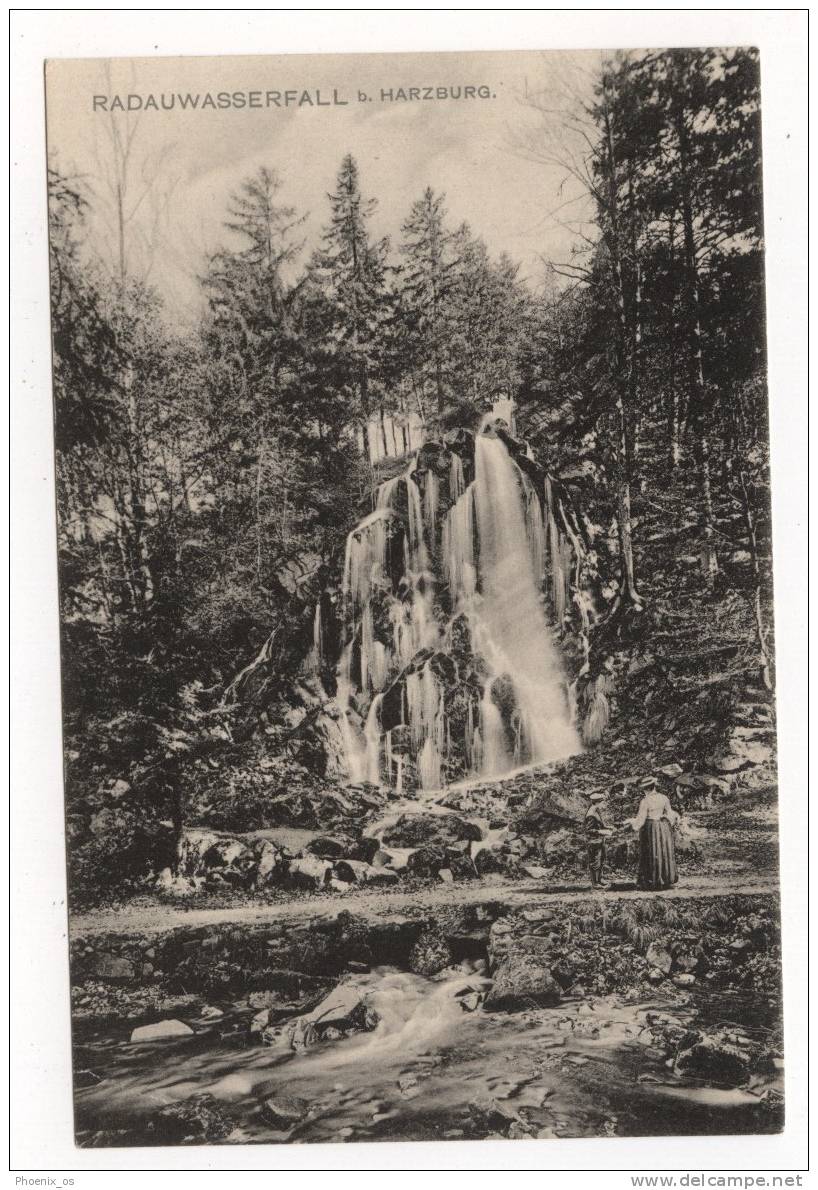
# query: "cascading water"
513,634
449,667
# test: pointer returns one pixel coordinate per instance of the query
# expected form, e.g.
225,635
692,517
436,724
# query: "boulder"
716,1059
492,1117
346,1009
227,853
200,1118
689,959
728,763
308,871
688,838
746,747
488,862
426,861
671,770
396,858
740,948
522,981
260,1021
284,1112
330,847
560,845
535,871
114,968
565,973
161,1030
430,955
659,957
500,939
176,885
414,830
271,864
366,848
355,871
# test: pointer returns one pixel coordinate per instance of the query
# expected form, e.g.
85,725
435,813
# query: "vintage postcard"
416,599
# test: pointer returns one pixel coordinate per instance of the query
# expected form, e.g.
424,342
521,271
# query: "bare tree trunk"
120,223
698,392
625,382
710,564
627,582
765,659
675,438
259,465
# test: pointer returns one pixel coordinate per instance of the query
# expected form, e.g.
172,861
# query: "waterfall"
425,709
365,558
374,661
316,654
354,747
559,557
418,554
458,549
318,633
457,479
431,498
467,608
514,635
372,736
494,759
535,528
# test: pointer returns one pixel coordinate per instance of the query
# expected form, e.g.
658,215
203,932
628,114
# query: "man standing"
596,832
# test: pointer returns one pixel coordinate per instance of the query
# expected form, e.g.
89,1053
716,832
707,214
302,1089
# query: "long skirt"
657,855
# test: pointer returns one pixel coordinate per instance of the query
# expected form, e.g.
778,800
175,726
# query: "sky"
183,163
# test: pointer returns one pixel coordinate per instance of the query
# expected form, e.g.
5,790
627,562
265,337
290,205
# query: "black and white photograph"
418,662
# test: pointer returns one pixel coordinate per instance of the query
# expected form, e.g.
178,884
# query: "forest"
208,474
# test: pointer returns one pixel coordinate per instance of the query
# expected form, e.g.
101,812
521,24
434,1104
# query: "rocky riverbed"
570,1017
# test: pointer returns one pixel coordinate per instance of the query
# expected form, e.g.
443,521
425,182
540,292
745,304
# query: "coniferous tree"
350,269
428,279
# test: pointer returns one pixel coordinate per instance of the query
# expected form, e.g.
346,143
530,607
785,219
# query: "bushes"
116,850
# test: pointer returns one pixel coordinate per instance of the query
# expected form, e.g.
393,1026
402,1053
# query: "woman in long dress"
654,821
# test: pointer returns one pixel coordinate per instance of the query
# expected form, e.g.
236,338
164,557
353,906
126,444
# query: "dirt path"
143,919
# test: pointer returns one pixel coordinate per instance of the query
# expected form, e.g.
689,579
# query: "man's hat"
649,783
598,795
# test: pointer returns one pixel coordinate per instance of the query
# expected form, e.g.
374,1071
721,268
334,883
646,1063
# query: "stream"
429,1070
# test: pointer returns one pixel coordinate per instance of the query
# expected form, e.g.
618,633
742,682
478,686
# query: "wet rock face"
430,955
193,1121
522,981
345,1010
284,1112
717,1059
161,1030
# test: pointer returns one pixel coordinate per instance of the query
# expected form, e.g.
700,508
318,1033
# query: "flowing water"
421,569
511,630
428,1070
